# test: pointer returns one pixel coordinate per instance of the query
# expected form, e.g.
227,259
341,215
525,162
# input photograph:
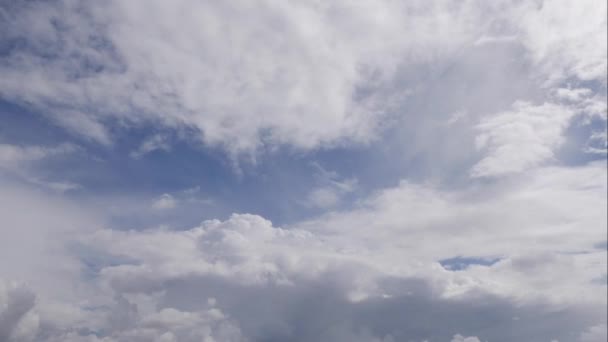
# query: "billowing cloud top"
303,171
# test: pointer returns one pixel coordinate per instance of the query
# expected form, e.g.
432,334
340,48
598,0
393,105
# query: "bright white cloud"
528,135
520,139
264,73
566,39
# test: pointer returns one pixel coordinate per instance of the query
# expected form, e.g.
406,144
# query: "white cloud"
309,75
520,139
545,211
13,156
262,74
84,125
250,75
40,281
374,255
460,338
566,39
354,275
323,198
165,201
153,143
528,135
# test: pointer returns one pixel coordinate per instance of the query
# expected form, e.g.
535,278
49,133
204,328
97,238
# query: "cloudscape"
277,170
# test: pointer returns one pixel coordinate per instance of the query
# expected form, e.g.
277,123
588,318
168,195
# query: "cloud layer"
490,117
264,73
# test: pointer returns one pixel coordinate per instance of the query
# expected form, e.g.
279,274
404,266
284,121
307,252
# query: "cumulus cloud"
367,274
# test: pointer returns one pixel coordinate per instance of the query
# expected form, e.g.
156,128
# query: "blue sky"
273,171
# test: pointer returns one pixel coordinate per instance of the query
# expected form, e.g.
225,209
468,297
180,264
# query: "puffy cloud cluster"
367,274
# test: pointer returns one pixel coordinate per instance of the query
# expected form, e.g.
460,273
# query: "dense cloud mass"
251,73
490,117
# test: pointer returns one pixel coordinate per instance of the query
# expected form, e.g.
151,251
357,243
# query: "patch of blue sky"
576,149
273,187
460,263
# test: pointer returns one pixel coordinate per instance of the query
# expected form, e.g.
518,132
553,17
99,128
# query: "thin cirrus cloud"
510,246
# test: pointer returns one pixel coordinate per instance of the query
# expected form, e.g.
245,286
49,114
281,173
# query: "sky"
265,170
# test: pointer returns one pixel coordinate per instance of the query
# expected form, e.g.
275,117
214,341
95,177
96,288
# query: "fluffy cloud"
567,40
368,274
547,211
263,73
520,139
528,135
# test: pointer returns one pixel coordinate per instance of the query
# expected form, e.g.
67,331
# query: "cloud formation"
261,73
370,274
509,246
